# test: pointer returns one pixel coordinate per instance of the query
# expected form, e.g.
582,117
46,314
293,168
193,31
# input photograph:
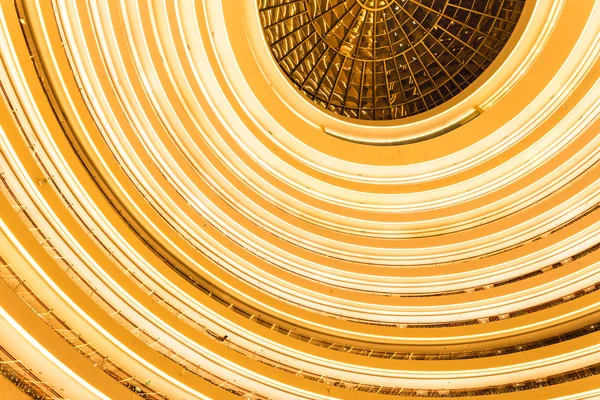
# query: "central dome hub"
375,5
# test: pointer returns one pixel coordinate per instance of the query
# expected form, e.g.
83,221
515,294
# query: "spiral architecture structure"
300,199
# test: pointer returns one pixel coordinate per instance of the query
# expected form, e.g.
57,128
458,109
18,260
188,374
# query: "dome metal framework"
175,225
386,59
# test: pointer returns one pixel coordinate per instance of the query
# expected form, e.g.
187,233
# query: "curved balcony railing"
183,362
19,375
240,308
332,345
74,339
416,392
216,296
144,391
99,360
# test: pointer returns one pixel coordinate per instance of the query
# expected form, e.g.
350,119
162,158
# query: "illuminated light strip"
90,320
156,189
354,194
146,144
590,394
201,207
42,350
240,198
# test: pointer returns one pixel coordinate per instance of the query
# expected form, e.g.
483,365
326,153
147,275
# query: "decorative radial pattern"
170,229
386,59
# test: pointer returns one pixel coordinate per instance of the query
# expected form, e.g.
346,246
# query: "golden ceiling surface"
386,59
177,221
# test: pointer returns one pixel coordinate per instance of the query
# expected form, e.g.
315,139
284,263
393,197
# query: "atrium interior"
299,199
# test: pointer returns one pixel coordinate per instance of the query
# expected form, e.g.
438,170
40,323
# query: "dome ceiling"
385,59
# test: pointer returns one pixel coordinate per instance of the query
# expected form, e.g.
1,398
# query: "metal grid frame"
385,59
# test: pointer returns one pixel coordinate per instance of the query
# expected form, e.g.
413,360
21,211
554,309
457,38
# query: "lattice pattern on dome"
386,59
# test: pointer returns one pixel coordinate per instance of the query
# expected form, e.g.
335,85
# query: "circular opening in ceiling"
385,59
